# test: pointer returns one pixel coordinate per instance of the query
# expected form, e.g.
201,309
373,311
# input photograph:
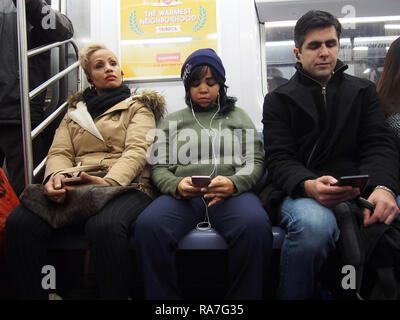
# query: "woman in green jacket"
210,138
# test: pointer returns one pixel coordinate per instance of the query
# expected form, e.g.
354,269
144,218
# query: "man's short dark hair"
314,19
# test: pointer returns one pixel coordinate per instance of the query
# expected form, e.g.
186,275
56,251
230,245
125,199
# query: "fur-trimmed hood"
152,99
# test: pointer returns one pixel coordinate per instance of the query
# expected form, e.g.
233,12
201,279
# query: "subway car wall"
368,29
260,34
238,44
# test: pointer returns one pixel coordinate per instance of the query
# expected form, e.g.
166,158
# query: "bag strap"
370,237
349,244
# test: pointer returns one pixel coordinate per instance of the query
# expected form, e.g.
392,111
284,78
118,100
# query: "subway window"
368,29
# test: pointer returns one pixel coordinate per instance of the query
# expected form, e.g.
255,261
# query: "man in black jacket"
44,25
321,125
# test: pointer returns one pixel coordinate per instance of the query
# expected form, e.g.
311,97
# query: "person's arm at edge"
37,10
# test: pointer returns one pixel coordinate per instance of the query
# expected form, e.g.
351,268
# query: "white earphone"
214,171
206,225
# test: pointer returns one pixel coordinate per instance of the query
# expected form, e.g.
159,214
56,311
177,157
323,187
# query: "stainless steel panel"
363,44
275,10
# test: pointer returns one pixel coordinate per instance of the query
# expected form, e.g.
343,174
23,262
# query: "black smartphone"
358,181
201,181
73,181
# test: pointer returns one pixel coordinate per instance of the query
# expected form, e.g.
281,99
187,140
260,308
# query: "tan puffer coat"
124,133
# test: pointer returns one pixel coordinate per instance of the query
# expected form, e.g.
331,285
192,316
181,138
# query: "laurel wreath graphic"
202,19
133,24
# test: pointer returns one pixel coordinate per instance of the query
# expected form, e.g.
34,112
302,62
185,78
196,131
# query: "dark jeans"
26,236
241,220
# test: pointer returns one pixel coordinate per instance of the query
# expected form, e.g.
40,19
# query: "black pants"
11,149
26,236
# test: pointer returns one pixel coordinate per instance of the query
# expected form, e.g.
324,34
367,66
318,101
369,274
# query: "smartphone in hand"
201,181
73,181
357,181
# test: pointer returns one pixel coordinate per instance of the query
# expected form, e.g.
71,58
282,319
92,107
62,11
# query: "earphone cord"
205,225
212,138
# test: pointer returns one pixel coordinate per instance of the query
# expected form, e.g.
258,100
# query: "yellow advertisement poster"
158,35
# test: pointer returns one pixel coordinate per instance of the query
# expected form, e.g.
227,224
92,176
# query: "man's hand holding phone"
326,191
358,181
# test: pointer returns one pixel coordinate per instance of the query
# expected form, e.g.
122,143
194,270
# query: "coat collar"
82,117
302,88
339,69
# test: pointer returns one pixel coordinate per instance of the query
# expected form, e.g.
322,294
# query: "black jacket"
306,137
39,65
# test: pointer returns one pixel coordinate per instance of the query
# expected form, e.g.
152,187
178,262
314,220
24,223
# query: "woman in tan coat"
103,139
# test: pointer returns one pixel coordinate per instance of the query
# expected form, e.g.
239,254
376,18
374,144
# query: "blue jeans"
311,234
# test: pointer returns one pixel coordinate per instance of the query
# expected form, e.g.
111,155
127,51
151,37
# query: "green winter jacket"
183,148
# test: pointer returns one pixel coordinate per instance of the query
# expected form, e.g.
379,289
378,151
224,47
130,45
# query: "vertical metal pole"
24,91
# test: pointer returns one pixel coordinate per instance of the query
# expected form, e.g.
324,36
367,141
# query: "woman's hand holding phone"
54,189
199,186
220,187
84,179
201,181
186,189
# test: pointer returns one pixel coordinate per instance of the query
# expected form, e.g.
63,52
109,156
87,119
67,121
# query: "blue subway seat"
211,240
195,240
203,240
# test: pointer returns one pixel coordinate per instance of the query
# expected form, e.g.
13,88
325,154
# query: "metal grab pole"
24,91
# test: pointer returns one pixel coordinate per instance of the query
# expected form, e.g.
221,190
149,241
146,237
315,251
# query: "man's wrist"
386,189
301,189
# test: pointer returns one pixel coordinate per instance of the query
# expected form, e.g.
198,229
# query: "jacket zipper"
317,142
326,109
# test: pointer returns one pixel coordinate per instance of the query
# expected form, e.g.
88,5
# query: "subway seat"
211,240
203,240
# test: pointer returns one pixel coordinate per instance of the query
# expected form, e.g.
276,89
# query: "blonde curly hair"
86,53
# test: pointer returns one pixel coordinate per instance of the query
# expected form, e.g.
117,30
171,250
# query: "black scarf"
97,105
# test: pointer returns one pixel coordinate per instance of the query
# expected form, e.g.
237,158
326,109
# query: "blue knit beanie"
202,57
